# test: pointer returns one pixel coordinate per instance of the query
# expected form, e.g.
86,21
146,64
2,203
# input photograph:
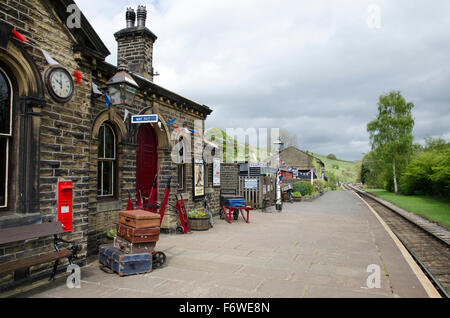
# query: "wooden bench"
17,234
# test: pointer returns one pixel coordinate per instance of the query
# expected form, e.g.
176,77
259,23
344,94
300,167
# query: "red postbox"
65,205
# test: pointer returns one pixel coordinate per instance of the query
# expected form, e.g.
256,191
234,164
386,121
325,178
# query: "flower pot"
297,199
197,224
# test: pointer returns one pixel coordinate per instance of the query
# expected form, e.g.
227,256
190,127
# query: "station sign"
258,164
144,119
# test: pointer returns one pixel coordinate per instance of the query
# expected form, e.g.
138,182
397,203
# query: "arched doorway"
147,159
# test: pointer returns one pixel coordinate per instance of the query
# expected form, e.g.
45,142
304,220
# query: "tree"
391,132
332,156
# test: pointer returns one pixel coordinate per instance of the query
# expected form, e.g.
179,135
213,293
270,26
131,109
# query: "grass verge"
434,209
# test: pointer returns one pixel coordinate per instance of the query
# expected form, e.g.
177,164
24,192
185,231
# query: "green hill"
344,171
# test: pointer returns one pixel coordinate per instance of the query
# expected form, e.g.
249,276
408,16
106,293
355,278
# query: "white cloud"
314,67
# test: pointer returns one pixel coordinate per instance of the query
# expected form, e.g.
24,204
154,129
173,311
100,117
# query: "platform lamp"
278,145
122,88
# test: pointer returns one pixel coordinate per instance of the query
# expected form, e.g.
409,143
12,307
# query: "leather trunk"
134,235
125,264
139,219
133,248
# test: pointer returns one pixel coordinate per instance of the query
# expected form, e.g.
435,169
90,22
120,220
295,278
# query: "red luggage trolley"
232,206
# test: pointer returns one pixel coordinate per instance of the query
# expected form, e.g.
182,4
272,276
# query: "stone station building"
45,140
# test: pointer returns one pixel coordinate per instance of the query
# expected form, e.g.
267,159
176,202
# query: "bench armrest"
75,248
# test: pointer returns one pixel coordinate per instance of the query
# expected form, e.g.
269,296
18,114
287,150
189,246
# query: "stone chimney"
130,17
141,16
135,43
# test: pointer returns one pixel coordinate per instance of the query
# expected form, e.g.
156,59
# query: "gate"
256,190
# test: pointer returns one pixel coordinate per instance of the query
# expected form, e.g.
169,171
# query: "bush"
332,156
428,173
319,185
305,188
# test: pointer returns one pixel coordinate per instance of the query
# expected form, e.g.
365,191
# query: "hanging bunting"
19,36
96,90
125,117
48,57
78,76
171,122
107,100
178,129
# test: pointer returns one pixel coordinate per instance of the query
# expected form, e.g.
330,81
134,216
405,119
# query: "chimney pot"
141,16
130,17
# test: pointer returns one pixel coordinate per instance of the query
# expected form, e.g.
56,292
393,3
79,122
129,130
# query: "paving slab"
311,249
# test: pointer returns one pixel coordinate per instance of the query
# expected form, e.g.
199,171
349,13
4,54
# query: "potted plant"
199,220
111,234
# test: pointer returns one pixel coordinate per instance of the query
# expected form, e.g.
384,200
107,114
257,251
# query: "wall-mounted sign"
199,179
258,164
216,172
144,119
250,184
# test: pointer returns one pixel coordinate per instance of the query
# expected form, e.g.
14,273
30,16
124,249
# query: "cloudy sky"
315,68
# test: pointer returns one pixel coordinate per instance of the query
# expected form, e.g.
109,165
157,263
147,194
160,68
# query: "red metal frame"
139,202
152,198
165,200
228,215
182,214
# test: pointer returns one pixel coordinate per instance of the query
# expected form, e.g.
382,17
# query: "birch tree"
391,132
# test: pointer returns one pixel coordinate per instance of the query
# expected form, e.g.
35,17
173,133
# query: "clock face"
61,84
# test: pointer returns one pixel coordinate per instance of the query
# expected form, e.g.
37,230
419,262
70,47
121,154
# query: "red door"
147,159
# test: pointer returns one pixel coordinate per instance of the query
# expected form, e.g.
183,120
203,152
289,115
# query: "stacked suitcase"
132,251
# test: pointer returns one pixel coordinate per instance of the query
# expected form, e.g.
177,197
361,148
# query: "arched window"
5,135
106,161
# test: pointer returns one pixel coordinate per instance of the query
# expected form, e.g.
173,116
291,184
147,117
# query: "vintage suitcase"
124,264
134,235
133,248
235,202
140,219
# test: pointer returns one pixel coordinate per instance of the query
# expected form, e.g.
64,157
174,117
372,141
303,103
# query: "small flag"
19,36
48,57
177,128
96,90
172,121
127,113
78,76
108,100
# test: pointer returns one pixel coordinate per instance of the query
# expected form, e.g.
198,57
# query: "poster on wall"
216,172
250,184
199,179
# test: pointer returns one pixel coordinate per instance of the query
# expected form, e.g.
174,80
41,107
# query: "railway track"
429,249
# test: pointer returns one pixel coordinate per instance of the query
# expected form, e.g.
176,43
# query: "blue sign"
144,119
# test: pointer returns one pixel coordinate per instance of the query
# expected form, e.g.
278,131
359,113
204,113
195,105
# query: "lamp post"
278,145
122,87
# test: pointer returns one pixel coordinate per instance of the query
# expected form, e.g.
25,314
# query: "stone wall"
68,143
229,177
